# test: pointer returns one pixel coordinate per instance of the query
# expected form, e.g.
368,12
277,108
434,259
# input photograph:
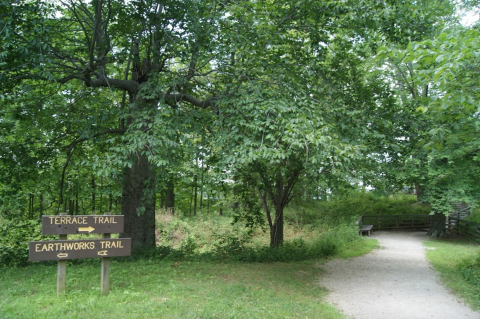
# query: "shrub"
189,244
157,253
294,250
230,243
475,216
326,244
14,238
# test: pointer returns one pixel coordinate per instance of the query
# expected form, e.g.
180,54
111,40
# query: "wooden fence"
420,222
385,222
465,228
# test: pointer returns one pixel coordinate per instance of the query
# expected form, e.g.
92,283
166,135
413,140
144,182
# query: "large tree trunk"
138,203
438,225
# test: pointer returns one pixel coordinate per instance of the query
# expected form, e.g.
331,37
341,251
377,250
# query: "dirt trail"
393,282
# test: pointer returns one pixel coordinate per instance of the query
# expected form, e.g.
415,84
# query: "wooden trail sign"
63,249
74,249
82,224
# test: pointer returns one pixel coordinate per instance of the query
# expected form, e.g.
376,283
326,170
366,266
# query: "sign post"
64,249
105,272
61,272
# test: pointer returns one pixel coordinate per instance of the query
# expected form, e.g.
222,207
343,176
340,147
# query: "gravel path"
393,282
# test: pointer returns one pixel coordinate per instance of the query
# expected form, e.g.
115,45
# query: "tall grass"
216,238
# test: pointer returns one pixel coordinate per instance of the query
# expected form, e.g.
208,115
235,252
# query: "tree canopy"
123,100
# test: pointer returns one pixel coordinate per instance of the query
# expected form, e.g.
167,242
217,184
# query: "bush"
475,216
230,243
189,244
327,244
295,250
14,238
237,245
157,253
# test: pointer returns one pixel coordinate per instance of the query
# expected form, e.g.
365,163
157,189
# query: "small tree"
278,139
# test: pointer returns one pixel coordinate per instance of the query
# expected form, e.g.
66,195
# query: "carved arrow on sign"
62,255
87,229
102,252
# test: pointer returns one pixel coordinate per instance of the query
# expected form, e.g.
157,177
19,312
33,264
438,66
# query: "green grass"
144,289
450,257
358,248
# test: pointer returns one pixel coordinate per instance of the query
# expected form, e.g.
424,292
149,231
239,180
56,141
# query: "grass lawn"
448,256
144,289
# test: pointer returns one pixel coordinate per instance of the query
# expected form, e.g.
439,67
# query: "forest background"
235,108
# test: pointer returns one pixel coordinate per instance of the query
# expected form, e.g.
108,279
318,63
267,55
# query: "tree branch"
127,85
179,97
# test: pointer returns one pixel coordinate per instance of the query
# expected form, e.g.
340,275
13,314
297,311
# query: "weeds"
215,238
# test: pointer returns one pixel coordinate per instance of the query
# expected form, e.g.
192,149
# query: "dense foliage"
206,106
14,238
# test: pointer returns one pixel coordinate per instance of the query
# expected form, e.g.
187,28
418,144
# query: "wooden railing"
384,222
419,222
465,228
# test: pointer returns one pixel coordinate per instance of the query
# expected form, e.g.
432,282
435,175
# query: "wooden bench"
363,228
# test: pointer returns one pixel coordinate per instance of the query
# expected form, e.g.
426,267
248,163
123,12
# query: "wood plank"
82,224
74,249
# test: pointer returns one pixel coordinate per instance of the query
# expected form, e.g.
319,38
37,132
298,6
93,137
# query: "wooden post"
61,269
105,271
